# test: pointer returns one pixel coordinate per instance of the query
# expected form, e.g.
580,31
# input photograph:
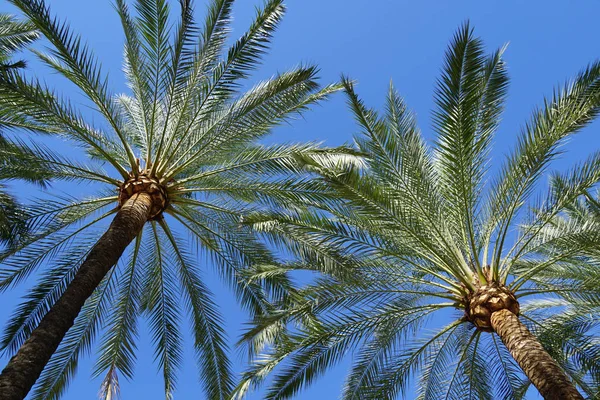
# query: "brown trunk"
540,368
25,367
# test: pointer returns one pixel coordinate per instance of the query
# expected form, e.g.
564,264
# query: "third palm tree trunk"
25,367
540,368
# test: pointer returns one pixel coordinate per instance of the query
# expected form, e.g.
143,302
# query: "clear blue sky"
373,41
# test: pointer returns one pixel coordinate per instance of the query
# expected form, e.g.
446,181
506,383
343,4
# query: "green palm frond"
117,351
160,302
565,190
12,217
74,60
15,34
209,340
31,98
25,258
228,253
469,99
569,110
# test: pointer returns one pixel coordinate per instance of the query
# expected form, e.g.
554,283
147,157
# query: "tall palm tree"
181,155
424,235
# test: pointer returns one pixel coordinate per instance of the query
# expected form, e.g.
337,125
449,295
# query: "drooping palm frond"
420,231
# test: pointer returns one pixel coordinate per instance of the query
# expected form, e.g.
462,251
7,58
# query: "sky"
373,42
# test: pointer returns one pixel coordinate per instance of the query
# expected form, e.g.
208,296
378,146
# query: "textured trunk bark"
540,368
25,367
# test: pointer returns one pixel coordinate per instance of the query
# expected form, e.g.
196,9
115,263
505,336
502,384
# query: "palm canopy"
422,233
186,134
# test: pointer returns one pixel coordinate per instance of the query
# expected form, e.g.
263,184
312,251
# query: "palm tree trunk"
25,367
540,368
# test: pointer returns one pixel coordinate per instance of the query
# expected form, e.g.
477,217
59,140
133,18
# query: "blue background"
371,41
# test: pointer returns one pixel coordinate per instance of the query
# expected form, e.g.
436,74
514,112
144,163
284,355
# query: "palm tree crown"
423,233
181,154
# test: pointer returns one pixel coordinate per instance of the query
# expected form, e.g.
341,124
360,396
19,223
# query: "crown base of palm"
485,301
145,182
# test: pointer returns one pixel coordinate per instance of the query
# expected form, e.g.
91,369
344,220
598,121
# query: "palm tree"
423,234
181,155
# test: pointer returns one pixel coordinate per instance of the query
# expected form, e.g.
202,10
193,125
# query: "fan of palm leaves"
420,233
189,129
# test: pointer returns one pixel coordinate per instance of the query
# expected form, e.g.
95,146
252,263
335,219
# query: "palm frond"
117,350
209,336
230,253
74,60
469,99
568,111
14,36
31,98
252,116
25,258
160,302
154,30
